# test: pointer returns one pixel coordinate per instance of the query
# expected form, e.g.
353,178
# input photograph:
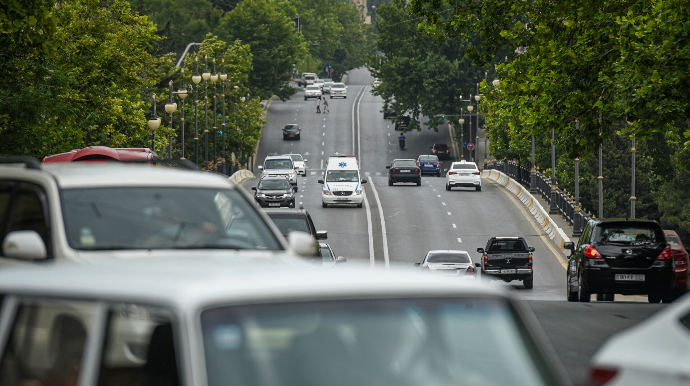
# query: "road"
399,224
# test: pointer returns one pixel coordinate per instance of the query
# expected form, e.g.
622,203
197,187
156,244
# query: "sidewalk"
558,219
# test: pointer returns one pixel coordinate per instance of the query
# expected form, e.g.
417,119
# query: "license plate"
273,204
508,271
629,277
404,171
464,174
448,271
291,135
342,199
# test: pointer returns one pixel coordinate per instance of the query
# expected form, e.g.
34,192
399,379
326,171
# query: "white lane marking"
321,163
300,202
438,195
301,196
313,173
323,134
455,226
448,213
322,143
459,240
378,174
383,226
367,174
322,153
444,204
372,263
389,134
434,190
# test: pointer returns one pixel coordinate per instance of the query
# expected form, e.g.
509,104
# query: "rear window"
424,158
508,246
287,223
449,258
405,163
467,166
673,240
628,233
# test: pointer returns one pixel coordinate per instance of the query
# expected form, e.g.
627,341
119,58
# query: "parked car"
312,91
290,220
291,131
274,192
619,256
508,259
216,322
429,164
402,122
464,174
404,170
449,262
328,256
680,261
652,352
441,150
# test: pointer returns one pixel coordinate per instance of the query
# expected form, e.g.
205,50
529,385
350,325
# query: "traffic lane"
578,330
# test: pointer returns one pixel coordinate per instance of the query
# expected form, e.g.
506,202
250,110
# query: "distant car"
652,352
307,78
320,83
389,112
326,89
329,258
291,131
312,91
621,256
404,170
298,163
376,83
338,90
449,262
274,192
441,150
680,259
508,259
288,220
429,164
402,122
464,174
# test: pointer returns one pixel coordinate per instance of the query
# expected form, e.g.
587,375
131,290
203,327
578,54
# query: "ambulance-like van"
342,182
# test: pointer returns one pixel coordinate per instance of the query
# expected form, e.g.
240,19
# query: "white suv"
465,174
279,165
338,90
312,91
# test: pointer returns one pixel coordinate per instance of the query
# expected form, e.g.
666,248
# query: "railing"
565,202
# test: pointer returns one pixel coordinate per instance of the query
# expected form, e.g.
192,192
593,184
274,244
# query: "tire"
479,188
359,205
605,297
390,183
528,281
331,97
305,98
668,296
324,205
583,294
419,183
448,187
570,295
654,297
297,137
439,174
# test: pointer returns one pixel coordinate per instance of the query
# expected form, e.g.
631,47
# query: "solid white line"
448,213
323,134
371,234
459,240
383,225
455,226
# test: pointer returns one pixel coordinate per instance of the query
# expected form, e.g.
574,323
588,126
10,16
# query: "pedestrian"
318,105
325,106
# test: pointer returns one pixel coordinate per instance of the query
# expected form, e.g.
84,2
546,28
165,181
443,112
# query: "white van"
342,183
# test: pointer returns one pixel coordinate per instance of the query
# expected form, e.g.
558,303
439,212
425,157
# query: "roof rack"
28,162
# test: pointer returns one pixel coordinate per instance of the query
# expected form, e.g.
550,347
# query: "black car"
389,113
274,192
291,131
404,170
441,150
402,122
620,256
508,259
288,220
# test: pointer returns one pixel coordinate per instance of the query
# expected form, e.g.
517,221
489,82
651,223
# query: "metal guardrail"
565,203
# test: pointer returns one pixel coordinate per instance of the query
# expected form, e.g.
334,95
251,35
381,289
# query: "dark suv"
402,122
288,220
441,150
291,131
274,192
615,256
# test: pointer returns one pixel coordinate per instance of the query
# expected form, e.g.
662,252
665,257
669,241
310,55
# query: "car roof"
292,211
291,124
277,157
404,159
446,251
115,174
186,284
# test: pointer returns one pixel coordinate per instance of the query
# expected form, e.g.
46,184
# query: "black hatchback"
617,256
291,131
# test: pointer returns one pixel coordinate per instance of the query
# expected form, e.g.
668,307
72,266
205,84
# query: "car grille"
343,193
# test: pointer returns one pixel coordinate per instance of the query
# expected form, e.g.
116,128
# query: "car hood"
273,192
278,171
204,254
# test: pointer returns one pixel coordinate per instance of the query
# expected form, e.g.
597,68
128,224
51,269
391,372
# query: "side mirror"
303,244
445,170
306,160
364,181
340,259
569,245
321,235
24,245
417,264
320,181
253,187
260,167
480,250
531,249
478,265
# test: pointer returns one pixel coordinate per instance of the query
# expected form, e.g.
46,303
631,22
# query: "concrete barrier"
533,206
241,175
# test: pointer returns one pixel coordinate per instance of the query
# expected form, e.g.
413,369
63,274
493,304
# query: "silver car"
449,262
279,165
299,163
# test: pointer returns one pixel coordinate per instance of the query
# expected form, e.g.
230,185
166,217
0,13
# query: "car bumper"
337,94
430,170
405,177
270,202
291,135
604,280
464,181
344,200
508,274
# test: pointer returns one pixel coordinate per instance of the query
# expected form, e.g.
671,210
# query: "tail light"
666,254
530,260
486,260
477,173
433,150
601,376
470,271
592,253
680,258
452,173
393,171
447,151
416,171
438,165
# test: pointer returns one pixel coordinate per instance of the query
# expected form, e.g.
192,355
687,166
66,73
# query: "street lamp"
206,76
214,79
470,108
476,141
577,229
223,78
461,121
632,182
182,93
600,177
170,108
154,122
196,78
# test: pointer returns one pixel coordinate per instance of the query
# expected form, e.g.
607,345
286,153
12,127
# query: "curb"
241,175
533,206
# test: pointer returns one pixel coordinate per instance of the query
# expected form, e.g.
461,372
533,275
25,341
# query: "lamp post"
182,93
461,121
223,77
476,139
196,78
600,178
470,108
170,108
577,231
214,79
154,122
206,76
495,83
553,207
632,181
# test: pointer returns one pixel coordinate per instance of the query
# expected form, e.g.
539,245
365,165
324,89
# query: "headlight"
327,193
261,195
292,175
287,195
358,192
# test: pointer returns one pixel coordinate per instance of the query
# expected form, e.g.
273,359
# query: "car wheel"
390,183
419,183
668,296
570,295
359,205
297,137
583,294
528,281
331,97
324,205
479,188
654,297
439,174
305,98
448,187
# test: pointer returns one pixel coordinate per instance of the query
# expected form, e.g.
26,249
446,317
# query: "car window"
448,258
312,87
278,164
432,158
465,166
394,341
404,163
47,343
291,127
287,223
274,185
326,254
28,213
163,218
296,157
673,240
628,233
139,347
342,176
338,85
507,246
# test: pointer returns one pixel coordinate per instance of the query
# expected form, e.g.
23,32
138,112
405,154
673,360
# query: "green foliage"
30,22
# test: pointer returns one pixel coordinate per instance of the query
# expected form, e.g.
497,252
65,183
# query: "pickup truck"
508,259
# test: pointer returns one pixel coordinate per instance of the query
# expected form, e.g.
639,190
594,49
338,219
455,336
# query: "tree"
268,27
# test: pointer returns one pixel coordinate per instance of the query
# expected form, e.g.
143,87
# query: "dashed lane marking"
459,239
455,226
448,213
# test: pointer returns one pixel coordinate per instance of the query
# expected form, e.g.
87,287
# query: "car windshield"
312,88
342,176
326,254
309,77
278,164
287,223
507,246
633,234
118,218
274,185
291,127
467,166
338,85
448,258
328,83
673,240
296,157
391,342
424,158
407,163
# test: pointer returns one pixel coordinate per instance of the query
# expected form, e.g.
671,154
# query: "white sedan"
326,87
299,164
312,91
464,174
654,352
448,262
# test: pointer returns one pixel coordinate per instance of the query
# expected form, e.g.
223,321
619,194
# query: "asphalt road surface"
399,224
